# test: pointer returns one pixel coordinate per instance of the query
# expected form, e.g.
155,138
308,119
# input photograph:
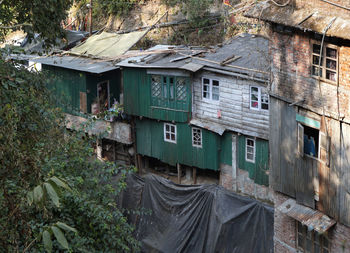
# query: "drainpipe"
319,66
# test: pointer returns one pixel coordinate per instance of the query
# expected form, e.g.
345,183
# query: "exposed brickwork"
285,232
243,184
291,56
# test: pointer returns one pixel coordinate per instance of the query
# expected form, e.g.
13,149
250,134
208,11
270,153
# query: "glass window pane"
330,75
206,81
331,52
215,83
264,106
167,136
254,90
331,64
316,49
315,59
250,143
165,90
314,71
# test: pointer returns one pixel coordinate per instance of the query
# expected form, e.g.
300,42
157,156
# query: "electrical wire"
335,4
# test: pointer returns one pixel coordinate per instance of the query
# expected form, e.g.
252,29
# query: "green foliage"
32,16
53,194
107,7
196,10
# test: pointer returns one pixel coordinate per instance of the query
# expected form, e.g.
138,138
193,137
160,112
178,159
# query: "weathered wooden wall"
236,114
301,177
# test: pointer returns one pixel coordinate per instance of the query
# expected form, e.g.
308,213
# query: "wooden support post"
179,173
194,175
99,149
139,163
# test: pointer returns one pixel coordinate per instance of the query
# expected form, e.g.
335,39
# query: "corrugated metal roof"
77,63
108,45
313,219
211,126
250,55
310,19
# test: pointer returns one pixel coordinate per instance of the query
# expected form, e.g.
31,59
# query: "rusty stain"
311,218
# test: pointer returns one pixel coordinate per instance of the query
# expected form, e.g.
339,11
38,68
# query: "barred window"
196,137
181,92
156,86
310,241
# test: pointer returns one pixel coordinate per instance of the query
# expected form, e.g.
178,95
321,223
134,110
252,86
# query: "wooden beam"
194,175
179,173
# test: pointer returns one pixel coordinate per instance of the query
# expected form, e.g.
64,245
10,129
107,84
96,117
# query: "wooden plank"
83,102
179,172
275,128
288,148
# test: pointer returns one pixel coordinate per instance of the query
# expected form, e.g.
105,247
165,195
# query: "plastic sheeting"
199,218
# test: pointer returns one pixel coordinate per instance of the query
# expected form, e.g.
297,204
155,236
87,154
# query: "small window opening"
311,139
103,96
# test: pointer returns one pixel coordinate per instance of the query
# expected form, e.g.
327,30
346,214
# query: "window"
309,241
210,89
308,140
169,132
156,86
329,62
168,87
196,137
250,150
258,99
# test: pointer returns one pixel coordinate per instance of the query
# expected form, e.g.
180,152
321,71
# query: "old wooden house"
206,109
85,81
309,123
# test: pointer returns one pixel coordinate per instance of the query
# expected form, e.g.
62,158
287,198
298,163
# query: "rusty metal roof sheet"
313,219
211,126
302,18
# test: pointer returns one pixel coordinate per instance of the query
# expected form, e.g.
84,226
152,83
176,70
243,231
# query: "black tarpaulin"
200,218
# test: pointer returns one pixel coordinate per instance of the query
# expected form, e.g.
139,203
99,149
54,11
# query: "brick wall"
285,232
244,185
291,74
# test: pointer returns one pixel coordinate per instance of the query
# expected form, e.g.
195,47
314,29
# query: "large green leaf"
47,241
60,237
38,194
60,183
66,227
52,194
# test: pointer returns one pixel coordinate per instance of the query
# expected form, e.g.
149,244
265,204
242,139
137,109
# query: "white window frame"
170,132
246,150
210,91
201,138
260,95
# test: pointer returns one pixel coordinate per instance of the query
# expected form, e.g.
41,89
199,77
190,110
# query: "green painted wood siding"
226,148
140,100
150,142
258,169
66,85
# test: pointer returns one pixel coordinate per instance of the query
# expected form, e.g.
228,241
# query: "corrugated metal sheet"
139,101
211,126
77,63
108,45
258,171
310,19
313,219
150,142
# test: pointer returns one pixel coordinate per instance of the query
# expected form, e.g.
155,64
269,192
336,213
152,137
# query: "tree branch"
15,26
